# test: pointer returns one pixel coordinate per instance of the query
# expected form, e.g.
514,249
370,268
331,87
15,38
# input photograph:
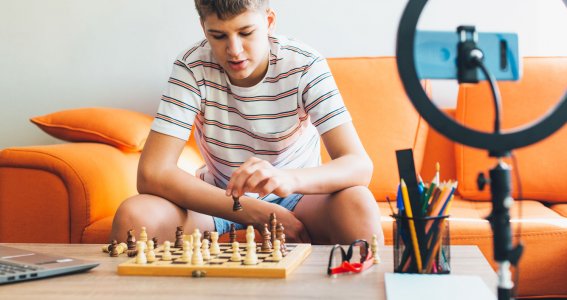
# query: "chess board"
220,265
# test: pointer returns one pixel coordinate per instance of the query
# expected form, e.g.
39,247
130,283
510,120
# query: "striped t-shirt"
278,120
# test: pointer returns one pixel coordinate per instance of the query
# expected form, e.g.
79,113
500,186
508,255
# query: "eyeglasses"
358,251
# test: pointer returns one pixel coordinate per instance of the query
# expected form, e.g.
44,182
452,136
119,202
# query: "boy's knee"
357,198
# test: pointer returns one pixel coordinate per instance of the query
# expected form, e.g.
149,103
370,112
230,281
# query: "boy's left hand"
259,176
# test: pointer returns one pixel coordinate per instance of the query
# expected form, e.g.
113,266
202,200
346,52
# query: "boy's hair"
226,9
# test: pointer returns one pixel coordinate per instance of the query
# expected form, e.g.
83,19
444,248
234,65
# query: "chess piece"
205,250
186,256
166,256
251,257
266,243
235,252
197,257
113,252
150,254
141,256
122,247
131,240
277,253
374,249
207,235
236,206
143,235
280,235
215,249
178,237
273,225
155,242
232,233
250,236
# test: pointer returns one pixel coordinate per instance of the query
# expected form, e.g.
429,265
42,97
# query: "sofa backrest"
382,115
542,166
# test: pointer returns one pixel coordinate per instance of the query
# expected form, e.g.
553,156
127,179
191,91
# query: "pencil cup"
421,245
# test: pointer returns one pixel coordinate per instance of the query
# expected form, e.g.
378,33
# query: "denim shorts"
289,202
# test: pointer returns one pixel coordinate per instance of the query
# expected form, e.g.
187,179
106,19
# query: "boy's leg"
341,217
160,217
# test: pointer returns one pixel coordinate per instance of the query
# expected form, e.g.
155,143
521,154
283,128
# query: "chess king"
259,104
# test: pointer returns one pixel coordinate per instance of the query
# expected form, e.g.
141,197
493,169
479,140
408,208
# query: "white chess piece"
235,252
249,236
215,249
277,254
143,235
150,254
205,250
197,257
166,256
186,256
251,258
197,236
141,256
374,249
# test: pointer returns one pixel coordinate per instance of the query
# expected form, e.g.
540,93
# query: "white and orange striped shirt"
278,120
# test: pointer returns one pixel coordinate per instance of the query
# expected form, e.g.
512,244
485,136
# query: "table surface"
310,280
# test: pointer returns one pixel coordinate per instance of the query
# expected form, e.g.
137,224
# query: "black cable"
495,93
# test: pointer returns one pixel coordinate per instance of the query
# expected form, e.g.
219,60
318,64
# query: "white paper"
436,287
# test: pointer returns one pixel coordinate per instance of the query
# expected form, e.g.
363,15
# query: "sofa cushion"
382,115
542,166
124,129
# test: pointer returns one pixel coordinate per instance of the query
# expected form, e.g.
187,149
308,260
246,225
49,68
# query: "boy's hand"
259,176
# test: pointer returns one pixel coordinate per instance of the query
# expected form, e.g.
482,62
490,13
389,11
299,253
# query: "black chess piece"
237,206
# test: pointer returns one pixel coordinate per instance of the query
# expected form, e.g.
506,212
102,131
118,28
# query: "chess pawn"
131,240
277,253
374,249
235,253
143,235
232,233
207,235
155,242
186,256
113,249
178,237
166,256
150,254
141,256
205,250
197,257
251,258
266,243
215,249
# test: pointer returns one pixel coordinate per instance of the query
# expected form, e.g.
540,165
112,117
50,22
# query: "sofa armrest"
51,193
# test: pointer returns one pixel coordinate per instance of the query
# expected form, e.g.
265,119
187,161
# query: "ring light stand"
497,143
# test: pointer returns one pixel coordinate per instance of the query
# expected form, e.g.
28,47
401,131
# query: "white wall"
61,54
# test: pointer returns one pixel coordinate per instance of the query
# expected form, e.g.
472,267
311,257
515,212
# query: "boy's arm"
158,174
350,165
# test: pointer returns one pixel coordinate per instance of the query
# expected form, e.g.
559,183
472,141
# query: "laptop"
19,265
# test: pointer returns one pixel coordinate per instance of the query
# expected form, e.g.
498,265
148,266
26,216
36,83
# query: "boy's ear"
271,15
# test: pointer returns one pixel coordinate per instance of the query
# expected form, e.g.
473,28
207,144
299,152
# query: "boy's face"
241,44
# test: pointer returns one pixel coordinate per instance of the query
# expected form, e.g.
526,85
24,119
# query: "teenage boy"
259,104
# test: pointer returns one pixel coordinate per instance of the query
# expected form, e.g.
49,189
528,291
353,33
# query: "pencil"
413,233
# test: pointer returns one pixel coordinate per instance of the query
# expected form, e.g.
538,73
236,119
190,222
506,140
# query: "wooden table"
309,281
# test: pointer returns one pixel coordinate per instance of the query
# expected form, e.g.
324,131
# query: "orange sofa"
68,193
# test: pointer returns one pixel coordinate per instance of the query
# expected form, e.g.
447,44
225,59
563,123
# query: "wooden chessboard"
220,265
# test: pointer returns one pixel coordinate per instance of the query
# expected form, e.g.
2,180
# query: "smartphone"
436,55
